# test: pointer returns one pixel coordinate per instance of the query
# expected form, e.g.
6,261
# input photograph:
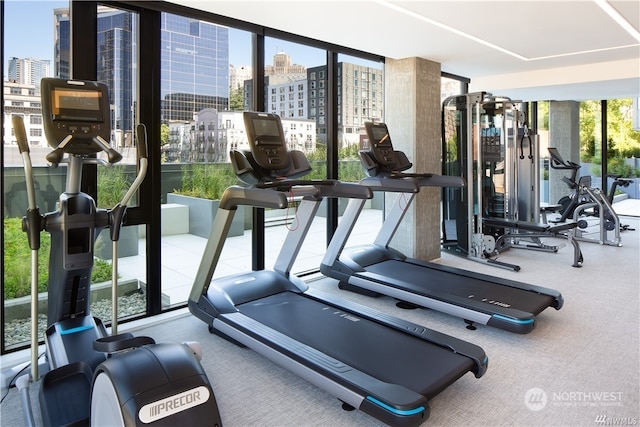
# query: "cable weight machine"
486,140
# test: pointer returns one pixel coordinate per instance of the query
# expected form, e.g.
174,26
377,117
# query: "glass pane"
205,72
117,68
591,141
543,139
623,149
295,89
28,60
360,100
450,87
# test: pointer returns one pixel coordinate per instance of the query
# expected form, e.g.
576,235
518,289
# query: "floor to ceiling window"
206,81
47,54
27,60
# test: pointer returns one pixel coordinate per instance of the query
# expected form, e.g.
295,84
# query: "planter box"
203,211
127,245
20,308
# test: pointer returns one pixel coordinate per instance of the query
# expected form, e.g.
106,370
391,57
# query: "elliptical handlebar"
23,145
31,224
141,136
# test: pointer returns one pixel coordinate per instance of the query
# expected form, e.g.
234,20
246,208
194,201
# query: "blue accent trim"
509,319
394,410
75,330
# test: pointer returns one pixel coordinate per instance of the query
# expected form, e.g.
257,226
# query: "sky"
39,42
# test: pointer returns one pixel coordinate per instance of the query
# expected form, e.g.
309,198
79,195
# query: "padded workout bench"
546,208
515,231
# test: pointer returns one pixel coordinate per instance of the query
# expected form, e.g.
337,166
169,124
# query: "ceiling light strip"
615,15
448,28
602,3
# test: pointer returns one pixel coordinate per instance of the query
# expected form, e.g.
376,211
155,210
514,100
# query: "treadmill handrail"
275,195
237,195
325,187
411,183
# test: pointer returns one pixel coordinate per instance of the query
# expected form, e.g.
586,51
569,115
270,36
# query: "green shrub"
206,180
17,262
112,185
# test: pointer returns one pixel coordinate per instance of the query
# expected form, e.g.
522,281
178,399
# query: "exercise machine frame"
93,376
384,366
586,202
378,269
485,139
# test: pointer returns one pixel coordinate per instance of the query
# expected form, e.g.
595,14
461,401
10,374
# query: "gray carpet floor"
579,367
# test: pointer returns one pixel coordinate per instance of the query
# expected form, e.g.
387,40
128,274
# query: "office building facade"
360,99
195,65
28,71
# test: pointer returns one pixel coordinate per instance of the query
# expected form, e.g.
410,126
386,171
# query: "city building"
238,75
28,71
288,99
282,66
360,99
195,64
212,134
23,100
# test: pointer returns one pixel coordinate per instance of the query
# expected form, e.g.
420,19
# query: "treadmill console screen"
267,132
266,139
380,144
380,135
75,108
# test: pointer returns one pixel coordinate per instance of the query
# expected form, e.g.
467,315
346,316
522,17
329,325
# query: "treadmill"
384,366
377,269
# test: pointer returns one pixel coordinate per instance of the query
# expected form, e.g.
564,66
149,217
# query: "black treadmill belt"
422,279
383,352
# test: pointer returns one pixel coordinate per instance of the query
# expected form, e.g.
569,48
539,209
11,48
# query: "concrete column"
412,113
564,134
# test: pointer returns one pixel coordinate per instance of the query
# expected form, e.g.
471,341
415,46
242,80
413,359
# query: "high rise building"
195,67
282,65
194,73
360,99
28,71
288,99
238,75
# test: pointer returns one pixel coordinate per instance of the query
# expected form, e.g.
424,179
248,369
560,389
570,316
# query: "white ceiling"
529,50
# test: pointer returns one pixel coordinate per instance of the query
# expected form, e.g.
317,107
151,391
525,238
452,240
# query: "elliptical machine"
586,202
94,378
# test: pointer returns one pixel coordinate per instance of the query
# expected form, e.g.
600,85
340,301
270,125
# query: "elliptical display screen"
76,112
76,104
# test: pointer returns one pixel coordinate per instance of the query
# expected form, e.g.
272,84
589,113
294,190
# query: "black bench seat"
533,231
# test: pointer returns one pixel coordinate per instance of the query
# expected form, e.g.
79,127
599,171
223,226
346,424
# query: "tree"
164,134
236,99
623,141
164,141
